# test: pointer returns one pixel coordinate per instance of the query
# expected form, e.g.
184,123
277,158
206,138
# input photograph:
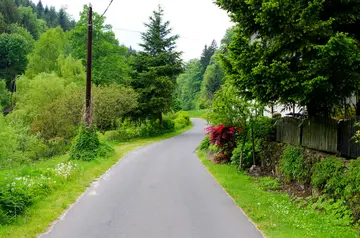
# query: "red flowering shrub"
224,138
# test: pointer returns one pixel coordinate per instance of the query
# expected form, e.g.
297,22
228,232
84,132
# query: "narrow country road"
158,191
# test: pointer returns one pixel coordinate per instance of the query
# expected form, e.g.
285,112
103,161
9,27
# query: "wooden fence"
320,134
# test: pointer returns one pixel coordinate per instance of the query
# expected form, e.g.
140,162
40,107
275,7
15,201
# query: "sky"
197,22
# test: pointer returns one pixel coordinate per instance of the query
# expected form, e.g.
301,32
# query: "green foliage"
228,108
109,58
350,183
207,54
182,119
292,165
71,70
212,81
246,153
337,211
128,130
327,173
29,20
4,95
189,84
112,103
291,52
205,143
13,50
44,57
86,145
19,190
156,69
269,183
9,11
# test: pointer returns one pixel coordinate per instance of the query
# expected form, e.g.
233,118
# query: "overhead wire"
135,31
107,8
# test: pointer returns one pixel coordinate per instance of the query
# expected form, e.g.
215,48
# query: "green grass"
274,212
198,113
39,216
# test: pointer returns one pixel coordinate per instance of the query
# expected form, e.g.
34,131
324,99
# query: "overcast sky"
197,22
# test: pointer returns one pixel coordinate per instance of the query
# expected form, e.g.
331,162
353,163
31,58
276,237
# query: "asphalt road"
158,191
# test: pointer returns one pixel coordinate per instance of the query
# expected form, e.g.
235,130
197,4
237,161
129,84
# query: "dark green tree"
156,68
40,10
212,81
2,24
9,11
64,20
29,20
13,51
295,52
52,18
207,53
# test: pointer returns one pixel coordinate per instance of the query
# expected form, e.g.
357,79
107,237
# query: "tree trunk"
161,118
243,146
253,140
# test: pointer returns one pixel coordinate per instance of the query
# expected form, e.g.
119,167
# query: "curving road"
158,191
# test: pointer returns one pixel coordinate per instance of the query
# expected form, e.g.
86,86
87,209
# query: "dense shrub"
292,165
247,160
224,138
325,172
86,145
112,103
351,192
128,130
181,120
205,143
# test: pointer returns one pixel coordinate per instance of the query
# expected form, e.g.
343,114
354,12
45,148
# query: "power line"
107,8
135,31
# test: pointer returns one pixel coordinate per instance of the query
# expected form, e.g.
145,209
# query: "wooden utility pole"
88,112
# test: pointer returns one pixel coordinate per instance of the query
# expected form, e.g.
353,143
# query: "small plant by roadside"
292,165
87,145
205,143
268,183
19,191
327,174
224,138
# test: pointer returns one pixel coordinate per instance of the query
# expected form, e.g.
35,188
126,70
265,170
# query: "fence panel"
320,134
347,146
288,130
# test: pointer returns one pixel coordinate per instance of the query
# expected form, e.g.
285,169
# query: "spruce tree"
206,55
40,10
156,68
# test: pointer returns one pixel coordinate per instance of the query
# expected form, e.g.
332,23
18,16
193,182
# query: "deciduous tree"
295,52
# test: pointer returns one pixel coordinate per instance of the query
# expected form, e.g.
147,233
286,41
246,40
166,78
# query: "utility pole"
88,112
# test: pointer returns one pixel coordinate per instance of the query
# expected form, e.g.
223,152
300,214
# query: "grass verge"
274,212
39,216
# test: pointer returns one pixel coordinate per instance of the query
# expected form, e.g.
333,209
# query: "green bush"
182,120
351,192
269,183
325,172
205,143
86,145
247,159
337,211
292,165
